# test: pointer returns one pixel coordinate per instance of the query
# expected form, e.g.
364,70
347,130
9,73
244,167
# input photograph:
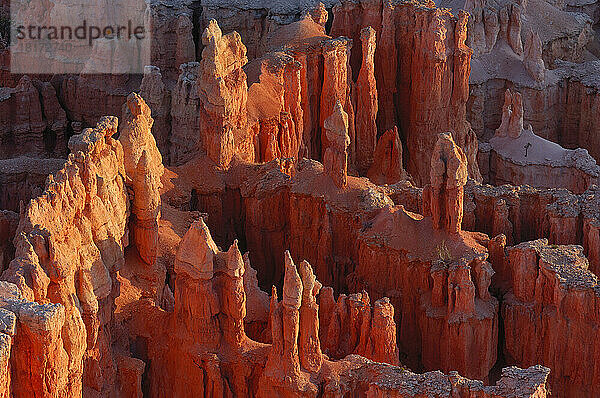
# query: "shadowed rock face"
517,156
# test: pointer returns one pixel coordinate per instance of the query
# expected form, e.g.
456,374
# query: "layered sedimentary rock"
24,178
273,212
185,140
33,360
172,36
499,29
422,68
178,313
373,330
337,78
445,294
9,221
533,57
158,98
144,170
32,121
512,116
275,115
86,98
254,20
518,156
443,198
224,361
223,92
551,301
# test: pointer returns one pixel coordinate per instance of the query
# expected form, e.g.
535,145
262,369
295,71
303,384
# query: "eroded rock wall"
552,302
422,71
69,244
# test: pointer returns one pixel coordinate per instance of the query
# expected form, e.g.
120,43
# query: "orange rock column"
366,104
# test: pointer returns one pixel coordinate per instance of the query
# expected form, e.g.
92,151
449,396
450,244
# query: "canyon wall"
416,46
561,109
551,303
272,215
525,213
210,354
32,122
516,155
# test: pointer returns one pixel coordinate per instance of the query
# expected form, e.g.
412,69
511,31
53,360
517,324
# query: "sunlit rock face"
306,199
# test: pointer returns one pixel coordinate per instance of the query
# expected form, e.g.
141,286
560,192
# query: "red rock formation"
274,108
24,178
518,156
336,87
144,170
512,116
28,116
443,282
556,214
335,160
222,91
422,68
71,240
31,336
185,140
532,58
372,330
86,99
366,104
552,301
252,369
257,307
448,177
305,45
387,166
8,227
158,98
172,38
311,357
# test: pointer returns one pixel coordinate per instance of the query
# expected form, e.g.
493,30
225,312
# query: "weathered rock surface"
144,170
222,92
114,285
24,178
185,140
387,164
533,57
275,114
443,198
422,68
32,122
70,241
549,303
335,160
518,156
158,97
366,104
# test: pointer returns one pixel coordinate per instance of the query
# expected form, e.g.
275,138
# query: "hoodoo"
363,198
